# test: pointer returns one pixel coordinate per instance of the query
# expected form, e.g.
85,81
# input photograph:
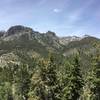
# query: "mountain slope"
34,44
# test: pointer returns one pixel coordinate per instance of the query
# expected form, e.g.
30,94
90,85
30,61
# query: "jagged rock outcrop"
66,40
2,33
18,29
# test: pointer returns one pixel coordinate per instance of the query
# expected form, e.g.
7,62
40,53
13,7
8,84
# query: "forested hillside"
43,66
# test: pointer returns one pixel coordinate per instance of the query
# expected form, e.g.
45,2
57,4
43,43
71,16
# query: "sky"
64,17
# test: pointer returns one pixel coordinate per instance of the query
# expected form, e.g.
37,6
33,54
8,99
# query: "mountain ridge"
18,30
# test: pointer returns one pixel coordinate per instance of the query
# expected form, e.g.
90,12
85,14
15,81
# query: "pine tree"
92,78
47,87
74,80
96,77
77,79
19,78
22,79
65,82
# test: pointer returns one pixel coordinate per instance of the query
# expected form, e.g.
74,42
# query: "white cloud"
57,10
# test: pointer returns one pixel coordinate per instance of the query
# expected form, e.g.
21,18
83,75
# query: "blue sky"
65,17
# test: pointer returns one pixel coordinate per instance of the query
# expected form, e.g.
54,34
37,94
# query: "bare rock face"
18,29
2,33
66,40
7,58
51,34
16,32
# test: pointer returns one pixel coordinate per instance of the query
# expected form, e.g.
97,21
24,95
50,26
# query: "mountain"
21,43
66,40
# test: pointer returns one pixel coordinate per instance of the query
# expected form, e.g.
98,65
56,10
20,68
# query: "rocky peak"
50,34
2,33
66,40
18,29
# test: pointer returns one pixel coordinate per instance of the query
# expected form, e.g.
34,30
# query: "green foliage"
48,79
15,82
5,91
47,87
96,77
92,81
72,81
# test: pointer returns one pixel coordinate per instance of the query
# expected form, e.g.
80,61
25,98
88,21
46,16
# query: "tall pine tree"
96,77
73,81
46,87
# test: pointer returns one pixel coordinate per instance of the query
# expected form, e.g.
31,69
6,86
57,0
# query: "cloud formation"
57,10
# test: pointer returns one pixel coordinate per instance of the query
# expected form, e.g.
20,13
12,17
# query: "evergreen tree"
65,82
96,77
73,81
47,88
17,78
77,79
22,80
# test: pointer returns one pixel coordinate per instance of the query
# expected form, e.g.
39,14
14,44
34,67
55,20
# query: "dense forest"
51,79
36,66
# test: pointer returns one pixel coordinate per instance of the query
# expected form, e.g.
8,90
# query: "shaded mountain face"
18,30
51,34
23,43
2,33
